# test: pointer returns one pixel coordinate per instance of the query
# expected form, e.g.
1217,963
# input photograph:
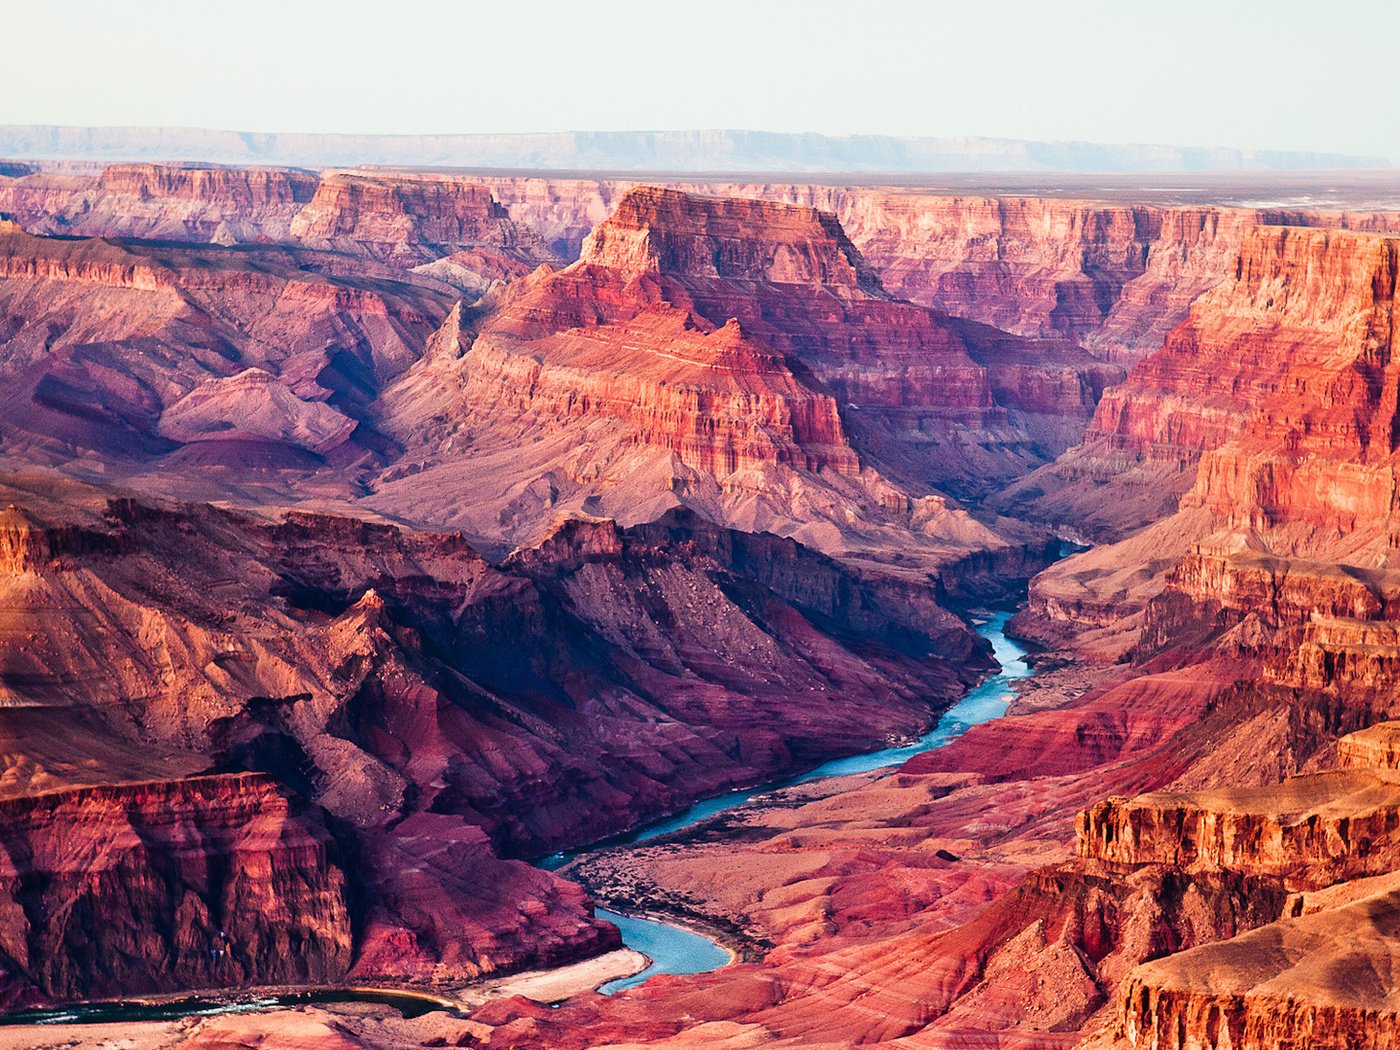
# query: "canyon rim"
473,574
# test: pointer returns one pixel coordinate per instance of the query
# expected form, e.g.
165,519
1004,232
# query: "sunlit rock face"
368,533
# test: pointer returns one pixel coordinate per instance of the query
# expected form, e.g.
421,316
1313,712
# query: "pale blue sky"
1284,74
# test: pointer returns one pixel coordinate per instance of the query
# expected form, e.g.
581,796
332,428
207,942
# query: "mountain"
673,151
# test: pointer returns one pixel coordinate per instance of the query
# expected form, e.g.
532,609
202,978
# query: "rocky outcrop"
694,358
1289,354
1318,980
1113,277
722,402
1261,428
1317,453
1310,831
601,680
410,219
1376,747
170,202
158,886
659,230
254,406
137,350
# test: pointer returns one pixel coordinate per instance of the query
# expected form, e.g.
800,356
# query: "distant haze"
1257,78
675,151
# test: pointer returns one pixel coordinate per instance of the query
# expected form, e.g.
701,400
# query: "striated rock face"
1318,451
658,230
164,202
136,351
1288,354
720,400
708,462
158,886
1310,831
735,357
902,375
431,714
1317,981
1114,278
694,357
410,219
1267,418
454,227
1269,412
1376,747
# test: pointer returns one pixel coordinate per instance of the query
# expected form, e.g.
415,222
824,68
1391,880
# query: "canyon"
370,534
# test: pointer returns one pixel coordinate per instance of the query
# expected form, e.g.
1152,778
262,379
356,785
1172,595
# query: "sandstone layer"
369,547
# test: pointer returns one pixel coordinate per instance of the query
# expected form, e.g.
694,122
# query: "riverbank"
614,875
618,874
561,982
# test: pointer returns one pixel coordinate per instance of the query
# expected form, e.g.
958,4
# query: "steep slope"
132,352
1252,632
410,220
426,712
1266,418
452,226
739,358
163,202
164,885
1114,278
762,376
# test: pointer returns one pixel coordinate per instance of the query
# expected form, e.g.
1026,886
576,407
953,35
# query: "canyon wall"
1113,278
165,885
150,639
1263,424
393,549
739,359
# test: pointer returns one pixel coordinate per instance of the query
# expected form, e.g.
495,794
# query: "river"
672,949
675,949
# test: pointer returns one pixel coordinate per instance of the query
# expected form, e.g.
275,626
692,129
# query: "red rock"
1310,831
409,219
164,885
710,364
131,349
1310,981
1373,748
312,649
690,359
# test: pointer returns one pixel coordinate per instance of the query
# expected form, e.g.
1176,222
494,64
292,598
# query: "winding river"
671,948
675,949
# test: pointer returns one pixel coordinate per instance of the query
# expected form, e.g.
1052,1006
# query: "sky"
1283,74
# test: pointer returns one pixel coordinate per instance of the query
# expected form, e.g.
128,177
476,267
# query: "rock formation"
165,885
1113,277
359,548
180,637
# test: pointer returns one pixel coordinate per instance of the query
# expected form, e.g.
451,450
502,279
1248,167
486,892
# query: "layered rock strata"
738,358
429,714
158,886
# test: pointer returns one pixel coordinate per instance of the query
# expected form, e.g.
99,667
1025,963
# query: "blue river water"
118,1011
671,949
674,949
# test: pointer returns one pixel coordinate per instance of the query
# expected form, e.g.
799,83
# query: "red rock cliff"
165,885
